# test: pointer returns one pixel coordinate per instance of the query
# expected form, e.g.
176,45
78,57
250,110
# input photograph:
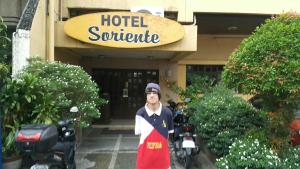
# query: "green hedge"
70,85
252,153
220,117
268,62
249,153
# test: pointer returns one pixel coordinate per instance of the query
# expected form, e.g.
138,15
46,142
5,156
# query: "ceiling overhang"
228,24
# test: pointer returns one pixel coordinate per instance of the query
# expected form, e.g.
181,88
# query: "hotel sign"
124,29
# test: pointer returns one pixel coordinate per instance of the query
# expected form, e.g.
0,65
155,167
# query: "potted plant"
7,129
12,119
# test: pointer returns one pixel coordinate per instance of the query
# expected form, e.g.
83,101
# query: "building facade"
211,31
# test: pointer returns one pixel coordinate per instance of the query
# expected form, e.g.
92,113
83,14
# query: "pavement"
107,147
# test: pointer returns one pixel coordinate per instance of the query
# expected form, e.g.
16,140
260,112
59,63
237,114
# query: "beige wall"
92,62
11,8
42,29
66,56
245,6
38,31
11,11
168,77
186,8
213,49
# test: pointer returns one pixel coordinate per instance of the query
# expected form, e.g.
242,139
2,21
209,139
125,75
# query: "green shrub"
42,94
249,153
5,43
291,158
5,56
70,86
220,117
20,100
199,84
4,74
252,153
5,51
268,62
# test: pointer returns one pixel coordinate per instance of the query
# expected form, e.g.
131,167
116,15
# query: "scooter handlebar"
67,122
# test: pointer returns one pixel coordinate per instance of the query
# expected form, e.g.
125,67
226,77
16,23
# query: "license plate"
188,144
187,138
39,166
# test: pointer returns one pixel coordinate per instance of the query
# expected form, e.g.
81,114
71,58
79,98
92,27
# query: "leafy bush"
199,84
4,74
252,153
249,153
268,62
5,43
70,86
5,50
220,117
291,158
43,93
20,100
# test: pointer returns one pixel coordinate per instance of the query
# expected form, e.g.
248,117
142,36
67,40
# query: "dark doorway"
125,88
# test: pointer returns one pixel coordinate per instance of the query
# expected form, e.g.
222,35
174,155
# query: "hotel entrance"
125,89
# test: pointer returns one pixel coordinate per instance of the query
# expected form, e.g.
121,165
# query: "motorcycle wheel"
27,162
187,161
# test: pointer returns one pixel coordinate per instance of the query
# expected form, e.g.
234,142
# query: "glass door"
126,88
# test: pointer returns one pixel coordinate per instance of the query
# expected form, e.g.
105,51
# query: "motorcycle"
47,146
172,106
184,139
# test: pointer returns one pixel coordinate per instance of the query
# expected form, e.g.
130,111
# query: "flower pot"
12,163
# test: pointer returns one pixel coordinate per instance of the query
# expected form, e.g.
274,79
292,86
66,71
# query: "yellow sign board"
124,29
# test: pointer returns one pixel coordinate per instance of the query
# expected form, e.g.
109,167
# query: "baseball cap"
152,87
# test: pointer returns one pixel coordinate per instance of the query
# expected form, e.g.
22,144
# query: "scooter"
184,141
172,106
47,146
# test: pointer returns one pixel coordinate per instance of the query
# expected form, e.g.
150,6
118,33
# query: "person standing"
154,123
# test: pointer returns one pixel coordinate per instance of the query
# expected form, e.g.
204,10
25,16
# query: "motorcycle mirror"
74,109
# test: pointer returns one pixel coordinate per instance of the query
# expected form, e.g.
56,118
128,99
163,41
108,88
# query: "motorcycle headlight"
299,132
67,133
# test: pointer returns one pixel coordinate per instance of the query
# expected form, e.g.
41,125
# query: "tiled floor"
112,148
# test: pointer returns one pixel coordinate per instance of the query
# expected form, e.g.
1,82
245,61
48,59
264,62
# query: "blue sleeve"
170,121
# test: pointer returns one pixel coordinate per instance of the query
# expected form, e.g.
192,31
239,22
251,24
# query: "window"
212,72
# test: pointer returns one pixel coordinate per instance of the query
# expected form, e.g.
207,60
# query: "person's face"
152,97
